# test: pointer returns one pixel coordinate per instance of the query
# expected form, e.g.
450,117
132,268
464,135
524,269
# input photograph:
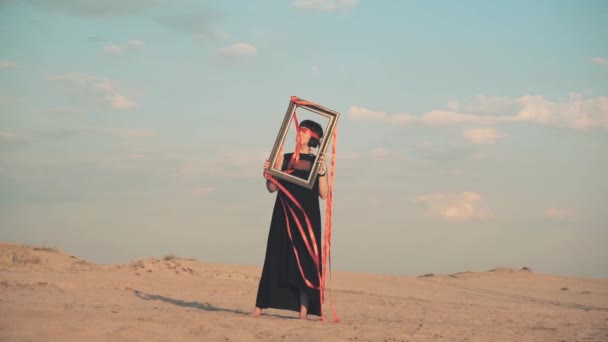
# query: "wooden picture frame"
328,115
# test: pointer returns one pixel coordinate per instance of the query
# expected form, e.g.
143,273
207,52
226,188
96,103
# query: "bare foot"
257,312
303,312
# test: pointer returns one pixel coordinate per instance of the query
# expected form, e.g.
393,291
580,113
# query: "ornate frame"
287,121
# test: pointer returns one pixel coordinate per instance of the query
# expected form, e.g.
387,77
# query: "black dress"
281,279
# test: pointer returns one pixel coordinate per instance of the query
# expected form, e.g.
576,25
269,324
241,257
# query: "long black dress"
281,279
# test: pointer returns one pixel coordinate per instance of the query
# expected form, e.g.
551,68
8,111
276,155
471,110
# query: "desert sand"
48,295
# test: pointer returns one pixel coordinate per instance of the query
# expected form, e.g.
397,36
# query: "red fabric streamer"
308,131
295,157
328,220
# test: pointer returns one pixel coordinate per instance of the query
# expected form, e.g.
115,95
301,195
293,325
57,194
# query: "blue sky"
472,135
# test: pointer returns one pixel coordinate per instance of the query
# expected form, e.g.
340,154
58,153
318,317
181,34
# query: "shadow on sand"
196,305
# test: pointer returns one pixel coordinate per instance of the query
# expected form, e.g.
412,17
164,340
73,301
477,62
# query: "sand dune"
47,295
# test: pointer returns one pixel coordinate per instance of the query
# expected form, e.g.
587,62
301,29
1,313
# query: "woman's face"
305,135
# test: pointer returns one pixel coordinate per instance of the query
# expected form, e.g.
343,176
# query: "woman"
290,277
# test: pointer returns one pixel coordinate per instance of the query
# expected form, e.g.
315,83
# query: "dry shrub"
47,249
24,259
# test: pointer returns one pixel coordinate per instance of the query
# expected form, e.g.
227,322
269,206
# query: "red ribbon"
306,130
328,220
295,157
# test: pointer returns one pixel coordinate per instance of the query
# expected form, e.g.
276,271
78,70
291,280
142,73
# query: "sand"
47,295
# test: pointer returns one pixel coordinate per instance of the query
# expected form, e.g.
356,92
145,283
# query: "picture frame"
327,116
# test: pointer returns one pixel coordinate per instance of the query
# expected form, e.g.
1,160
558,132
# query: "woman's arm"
269,185
277,165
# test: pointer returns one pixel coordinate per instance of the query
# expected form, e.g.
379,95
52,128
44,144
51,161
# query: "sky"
472,135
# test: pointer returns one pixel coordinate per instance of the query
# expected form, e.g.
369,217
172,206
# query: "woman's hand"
322,166
270,186
266,166
323,181
278,164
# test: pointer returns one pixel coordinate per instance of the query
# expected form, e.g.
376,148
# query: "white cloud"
484,135
436,117
235,51
440,117
380,152
100,89
121,132
120,48
324,5
348,156
560,214
536,109
453,105
229,164
364,114
8,100
6,135
577,112
600,60
455,206
491,105
120,102
137,156
315,70
4,64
